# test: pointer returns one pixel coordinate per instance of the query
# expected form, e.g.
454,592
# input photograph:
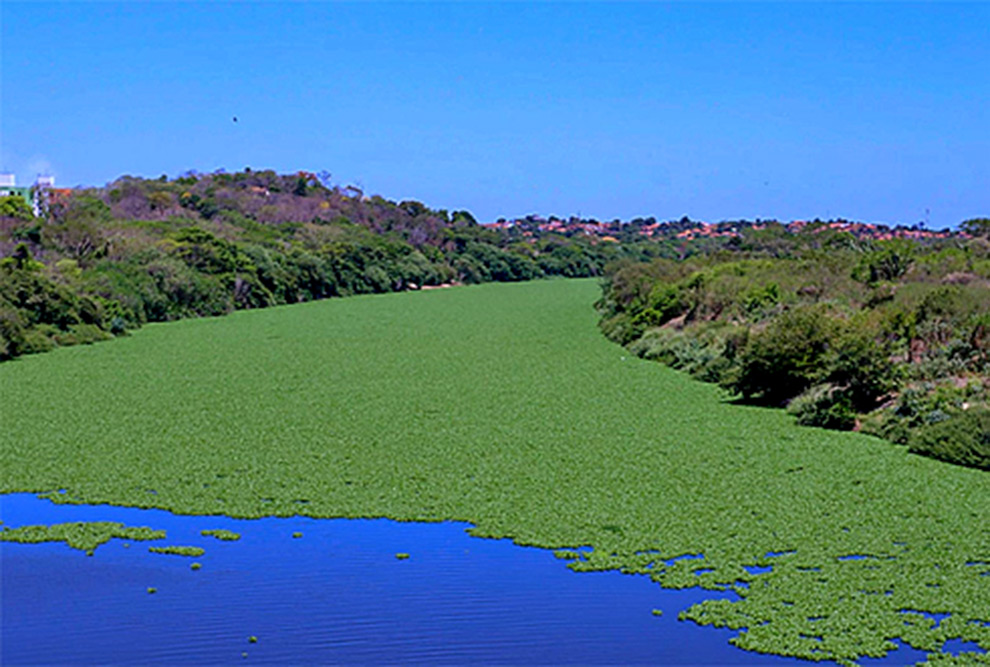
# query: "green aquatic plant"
196,566
373,407
296,535
83,535
152,590
178,551
402,555
252,639
221,534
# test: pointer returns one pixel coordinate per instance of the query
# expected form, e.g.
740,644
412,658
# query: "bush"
676,349
862,368
824,405
11,333
81,334
882,265
665,303
964,438
887,425
786,358
36,341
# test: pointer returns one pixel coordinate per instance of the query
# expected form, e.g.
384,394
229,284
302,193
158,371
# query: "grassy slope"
504,406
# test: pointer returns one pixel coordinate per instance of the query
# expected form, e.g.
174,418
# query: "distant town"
688,230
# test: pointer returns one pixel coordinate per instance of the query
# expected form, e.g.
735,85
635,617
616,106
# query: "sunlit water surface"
338,594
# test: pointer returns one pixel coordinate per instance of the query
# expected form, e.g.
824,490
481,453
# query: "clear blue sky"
872,112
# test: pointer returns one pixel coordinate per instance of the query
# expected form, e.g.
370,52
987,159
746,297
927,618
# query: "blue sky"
872,112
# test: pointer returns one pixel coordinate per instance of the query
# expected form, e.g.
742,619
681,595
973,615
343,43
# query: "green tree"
887,264
15,208
78,227
977,227
785,359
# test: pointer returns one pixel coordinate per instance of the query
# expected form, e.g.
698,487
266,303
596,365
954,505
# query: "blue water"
336,595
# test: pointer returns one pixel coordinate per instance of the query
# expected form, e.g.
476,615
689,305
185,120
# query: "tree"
977,227
887,264
785,359
77,229
16,208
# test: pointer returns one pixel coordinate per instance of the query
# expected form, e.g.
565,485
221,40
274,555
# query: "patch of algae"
221,534
964,659
192,552
83,535
503,406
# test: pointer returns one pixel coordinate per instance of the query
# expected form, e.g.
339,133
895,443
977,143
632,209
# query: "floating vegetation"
402,555
196,566
83,535
371,407
221,534
658,612
178,551
152,590
296,535
252,639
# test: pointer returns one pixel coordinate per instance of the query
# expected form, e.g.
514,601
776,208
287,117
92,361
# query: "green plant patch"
83,535
192,552
221,534
502,405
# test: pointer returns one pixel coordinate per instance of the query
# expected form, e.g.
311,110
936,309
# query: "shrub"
862,368
81,334
759,298
676,349
883,265
824,405
785,359
964,439
36,341
666,302
887,425
11,332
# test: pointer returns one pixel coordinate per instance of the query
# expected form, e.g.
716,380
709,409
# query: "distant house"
30,194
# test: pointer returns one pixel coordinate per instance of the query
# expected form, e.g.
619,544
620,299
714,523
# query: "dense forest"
888,337
98,262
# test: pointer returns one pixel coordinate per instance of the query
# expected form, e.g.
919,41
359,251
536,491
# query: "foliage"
372,406
884,265
36,312
823,405
16,208
786,358
839,335
977,227
207,244
960,438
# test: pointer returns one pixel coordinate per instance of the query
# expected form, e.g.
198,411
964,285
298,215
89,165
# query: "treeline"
891,338
99,262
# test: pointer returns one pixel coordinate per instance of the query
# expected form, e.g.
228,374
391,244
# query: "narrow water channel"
337,594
